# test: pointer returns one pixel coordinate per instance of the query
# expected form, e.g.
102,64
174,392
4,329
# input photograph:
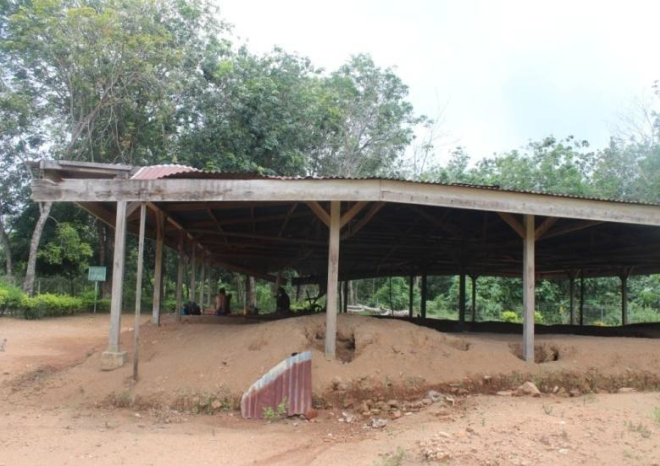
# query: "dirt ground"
54,409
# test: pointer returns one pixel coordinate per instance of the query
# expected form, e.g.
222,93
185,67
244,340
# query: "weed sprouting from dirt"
656,414
640,428
392,459
276,414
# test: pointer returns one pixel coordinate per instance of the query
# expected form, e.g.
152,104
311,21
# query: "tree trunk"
30,273
4,240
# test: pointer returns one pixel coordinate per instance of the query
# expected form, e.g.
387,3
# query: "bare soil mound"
223,356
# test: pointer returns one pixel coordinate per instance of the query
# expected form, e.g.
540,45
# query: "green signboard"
96,274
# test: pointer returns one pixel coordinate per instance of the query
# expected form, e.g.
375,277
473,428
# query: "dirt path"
595,429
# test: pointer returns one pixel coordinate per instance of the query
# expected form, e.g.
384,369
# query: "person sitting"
283,301
221,303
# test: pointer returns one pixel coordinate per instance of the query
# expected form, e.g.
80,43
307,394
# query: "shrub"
102,305
11,298
50,305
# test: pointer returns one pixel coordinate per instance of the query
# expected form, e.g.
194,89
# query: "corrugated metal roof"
156,172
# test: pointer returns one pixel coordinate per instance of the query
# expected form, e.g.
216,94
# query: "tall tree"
372,123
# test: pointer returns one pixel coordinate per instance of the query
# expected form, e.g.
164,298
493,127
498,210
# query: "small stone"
528,389
427,401
575,392
216,405
378,423
555,390
393,403
504,393
311,414
626,390
396,414
563,451
435,396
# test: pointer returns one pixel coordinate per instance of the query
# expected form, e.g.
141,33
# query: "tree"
372,122
254,114
104,77
67,251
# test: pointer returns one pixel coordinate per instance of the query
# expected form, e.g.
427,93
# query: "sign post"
96,275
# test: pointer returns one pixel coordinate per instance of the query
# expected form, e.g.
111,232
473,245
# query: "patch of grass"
277,414
640,428
656,414
392,459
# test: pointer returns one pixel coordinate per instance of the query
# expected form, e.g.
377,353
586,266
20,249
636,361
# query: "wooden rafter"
364,220
352,212
320,212
513,223
544,227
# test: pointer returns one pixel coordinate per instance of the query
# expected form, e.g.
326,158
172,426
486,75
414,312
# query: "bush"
102,305
51,305
11,298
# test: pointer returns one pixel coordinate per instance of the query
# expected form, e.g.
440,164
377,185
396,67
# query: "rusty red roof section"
289,383
156,172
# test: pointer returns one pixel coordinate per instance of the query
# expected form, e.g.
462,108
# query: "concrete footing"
113,360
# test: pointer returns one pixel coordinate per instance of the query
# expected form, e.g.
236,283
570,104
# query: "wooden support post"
582,297
474,297
138,291
461,299
423,293
193,267
179,278
333,274
529,276
202,278
624,297
158,269
411,285
571,292
113,358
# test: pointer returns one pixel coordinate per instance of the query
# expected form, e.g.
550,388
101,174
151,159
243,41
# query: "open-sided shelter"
330,229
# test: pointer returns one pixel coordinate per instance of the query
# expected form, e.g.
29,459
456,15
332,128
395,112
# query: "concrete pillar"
571,292
529,276
411,301
138,291
158,269
333,278
624,299
582,296
423,293
461,299
113,357
193,271
179,278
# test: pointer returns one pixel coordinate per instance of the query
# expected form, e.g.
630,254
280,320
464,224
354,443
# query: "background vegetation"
164,81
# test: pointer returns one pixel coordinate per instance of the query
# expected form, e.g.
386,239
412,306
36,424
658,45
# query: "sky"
500,73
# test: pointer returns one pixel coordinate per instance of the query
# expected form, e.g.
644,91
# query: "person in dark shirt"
283,301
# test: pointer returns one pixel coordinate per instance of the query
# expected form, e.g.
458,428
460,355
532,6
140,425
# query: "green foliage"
392,459
67,251
277,414
102,305
50,305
